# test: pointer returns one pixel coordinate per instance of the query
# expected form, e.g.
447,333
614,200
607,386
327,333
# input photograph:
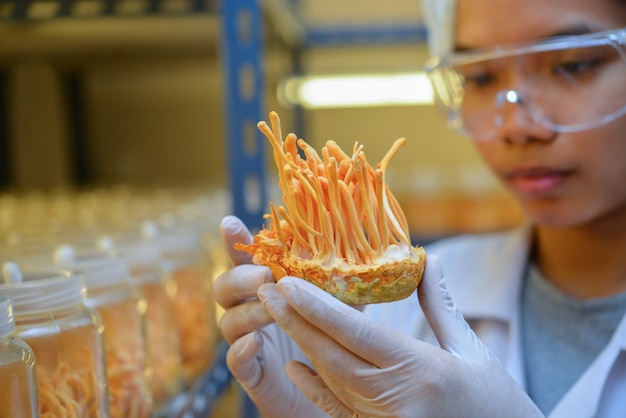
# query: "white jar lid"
35,290
172,240
137,252
98,269
7,320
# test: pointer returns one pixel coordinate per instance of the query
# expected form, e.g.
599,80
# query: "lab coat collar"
598,384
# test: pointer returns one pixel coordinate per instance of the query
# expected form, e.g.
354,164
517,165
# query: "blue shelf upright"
242,59
242,38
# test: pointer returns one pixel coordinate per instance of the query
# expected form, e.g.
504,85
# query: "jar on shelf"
122,309
65,336
185,261
159,292
18,379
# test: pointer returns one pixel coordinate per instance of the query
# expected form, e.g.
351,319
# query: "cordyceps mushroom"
340,227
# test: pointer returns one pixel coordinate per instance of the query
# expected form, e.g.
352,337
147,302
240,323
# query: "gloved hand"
363,369
259,348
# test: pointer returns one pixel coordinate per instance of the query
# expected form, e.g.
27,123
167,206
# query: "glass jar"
159,291
66,338
186,263
122,310
18,379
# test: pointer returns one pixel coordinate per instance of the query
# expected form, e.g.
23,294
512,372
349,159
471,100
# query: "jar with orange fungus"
65,336
159,292
122,309
18,378
187,263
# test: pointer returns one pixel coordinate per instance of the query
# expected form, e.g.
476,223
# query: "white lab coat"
484,275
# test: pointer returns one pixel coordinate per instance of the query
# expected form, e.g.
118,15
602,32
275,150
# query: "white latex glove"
259,348
364,369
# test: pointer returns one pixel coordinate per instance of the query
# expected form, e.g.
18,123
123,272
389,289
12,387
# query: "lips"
537,181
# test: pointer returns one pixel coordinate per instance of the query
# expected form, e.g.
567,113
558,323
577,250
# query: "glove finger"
233,231
321,349
242,360
346,326
452,331
243,319
316,390
240,284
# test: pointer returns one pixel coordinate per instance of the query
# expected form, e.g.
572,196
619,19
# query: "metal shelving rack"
242,52
241,33
242,49
294,30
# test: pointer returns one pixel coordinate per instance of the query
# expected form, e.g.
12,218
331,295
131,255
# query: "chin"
556,213
546,212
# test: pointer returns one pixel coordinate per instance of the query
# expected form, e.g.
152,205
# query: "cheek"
604,170
597,190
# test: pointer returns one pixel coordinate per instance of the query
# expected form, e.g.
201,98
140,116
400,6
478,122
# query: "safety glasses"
565,84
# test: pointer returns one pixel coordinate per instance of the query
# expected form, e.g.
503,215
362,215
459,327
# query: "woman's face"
561,179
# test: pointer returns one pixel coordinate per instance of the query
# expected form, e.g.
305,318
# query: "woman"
541,89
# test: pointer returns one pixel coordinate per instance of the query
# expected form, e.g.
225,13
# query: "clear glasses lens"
566,90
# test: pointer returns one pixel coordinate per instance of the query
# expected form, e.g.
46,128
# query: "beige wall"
39,149
333,12
156,121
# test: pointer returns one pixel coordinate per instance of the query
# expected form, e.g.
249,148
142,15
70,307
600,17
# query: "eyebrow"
572,30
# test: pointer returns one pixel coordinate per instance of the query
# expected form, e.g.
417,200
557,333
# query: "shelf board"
40,10
364,35
299,34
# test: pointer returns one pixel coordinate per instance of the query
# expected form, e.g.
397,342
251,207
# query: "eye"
576,67
479,79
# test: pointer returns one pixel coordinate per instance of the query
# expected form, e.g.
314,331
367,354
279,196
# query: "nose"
518,121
